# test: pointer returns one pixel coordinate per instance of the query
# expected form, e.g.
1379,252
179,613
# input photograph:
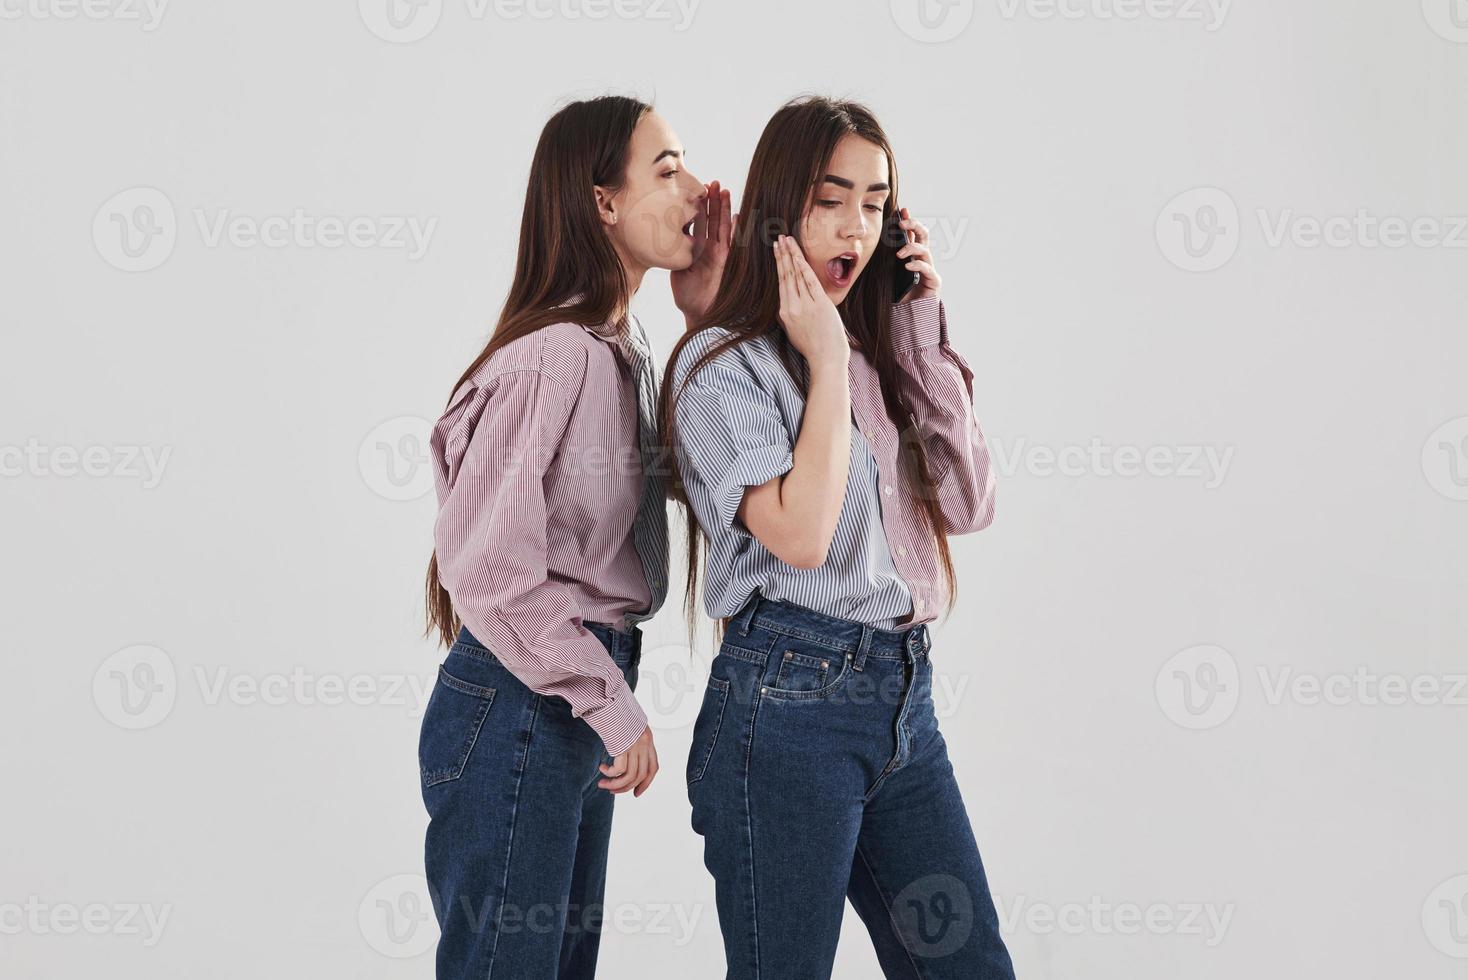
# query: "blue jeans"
516,849
817,773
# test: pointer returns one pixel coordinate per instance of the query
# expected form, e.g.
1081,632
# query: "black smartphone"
903,278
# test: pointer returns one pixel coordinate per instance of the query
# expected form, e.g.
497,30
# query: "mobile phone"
903,278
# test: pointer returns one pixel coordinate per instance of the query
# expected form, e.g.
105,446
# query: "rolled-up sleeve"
938,384
493,448
731,433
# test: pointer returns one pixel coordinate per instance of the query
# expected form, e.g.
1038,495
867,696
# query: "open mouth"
840,269
688,228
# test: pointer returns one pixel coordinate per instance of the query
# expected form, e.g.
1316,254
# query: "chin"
683,257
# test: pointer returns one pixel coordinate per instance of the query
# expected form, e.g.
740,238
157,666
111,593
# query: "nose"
697,192
853,227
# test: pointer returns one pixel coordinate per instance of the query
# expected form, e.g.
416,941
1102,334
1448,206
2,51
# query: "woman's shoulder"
753,356
559,353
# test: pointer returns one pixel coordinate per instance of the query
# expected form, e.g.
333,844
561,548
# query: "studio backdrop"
1204,685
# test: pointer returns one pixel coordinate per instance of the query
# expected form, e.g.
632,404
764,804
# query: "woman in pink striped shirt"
551,548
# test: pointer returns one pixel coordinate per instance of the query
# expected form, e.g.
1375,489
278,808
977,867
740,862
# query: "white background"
1171,689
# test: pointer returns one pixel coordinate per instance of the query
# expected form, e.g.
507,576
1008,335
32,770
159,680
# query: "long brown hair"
565,268
793,154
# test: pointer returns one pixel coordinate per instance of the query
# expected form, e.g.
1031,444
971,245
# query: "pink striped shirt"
539,475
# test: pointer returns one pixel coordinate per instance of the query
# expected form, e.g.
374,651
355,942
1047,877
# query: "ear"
605,207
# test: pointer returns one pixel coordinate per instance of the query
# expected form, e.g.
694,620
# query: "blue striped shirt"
736,425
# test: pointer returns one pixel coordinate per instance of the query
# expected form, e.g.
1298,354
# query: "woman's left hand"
919,258
713,231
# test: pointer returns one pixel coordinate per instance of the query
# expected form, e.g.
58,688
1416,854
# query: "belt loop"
859,659
742,619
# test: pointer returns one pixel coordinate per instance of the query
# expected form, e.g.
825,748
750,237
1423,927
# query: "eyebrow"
843,182
666,153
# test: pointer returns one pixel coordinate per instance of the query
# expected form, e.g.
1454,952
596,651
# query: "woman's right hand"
811,320
633,769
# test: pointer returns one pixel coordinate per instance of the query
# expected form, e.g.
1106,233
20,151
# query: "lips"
839,270
688,228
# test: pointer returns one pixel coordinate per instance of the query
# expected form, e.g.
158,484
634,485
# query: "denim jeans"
516,849
817,774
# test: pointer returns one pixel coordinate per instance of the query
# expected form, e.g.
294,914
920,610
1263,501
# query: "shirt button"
887,489
901,552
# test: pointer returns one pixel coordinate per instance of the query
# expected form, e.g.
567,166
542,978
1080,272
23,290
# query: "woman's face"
843,219
650,219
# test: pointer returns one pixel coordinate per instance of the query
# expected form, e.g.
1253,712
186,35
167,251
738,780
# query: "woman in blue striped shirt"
826,447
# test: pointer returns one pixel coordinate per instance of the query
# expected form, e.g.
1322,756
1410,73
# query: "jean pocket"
806,671
456,711
706,728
